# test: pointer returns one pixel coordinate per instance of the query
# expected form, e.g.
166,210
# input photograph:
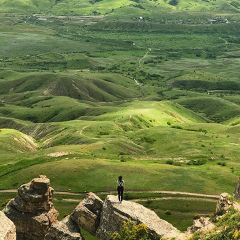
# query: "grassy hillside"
13,141
85,7
149,90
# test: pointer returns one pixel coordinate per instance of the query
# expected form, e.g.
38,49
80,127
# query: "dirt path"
144,57
114,192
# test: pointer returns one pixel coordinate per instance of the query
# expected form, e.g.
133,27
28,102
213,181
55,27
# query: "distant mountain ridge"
100,7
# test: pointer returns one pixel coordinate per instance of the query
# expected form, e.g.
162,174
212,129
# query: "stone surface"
204,224
66,229
113,214
223,204
236,193
32,210
87,213
7,228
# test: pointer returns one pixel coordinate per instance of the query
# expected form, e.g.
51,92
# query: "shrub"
173,2
6,202
168,212
131,230
177,127
148,140
149,202
196,216
197,162
222,164
103,133
170,162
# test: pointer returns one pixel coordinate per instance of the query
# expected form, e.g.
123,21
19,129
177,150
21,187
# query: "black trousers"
120,193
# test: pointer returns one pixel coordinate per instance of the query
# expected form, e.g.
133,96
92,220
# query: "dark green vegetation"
146,90
229,225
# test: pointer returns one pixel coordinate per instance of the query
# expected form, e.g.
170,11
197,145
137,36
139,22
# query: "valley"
152,92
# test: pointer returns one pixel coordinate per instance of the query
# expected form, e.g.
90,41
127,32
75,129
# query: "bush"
197,162
222,164
168,212
148,140
170,162
177,127
173,2
6,202
196,216
131,230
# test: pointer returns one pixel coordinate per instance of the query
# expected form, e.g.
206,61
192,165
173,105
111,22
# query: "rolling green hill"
13,141
86,7
92,89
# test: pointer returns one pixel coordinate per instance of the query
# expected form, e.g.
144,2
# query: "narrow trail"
152,199
114,192
149,50
225,41
81,131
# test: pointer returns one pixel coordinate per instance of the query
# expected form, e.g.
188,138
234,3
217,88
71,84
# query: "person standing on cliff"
120,188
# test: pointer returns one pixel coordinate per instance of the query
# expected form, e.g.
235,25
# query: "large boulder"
66,229
202,224
32,209
223,204
236,193
87,213
7,228
114,214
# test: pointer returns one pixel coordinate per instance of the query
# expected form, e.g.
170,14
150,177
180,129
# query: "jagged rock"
113,214
204,224
87,213
236,193
32,210
236,206
223,204
66,229
7,228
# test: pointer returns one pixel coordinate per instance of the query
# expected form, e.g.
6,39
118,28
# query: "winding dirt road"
114,192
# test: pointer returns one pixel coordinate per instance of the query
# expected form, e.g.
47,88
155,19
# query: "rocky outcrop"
66,229
236,193
7,228
87,213
113,214
223,204
32,210
203,223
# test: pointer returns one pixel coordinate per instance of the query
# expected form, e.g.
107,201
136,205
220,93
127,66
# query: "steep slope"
12,141
214,108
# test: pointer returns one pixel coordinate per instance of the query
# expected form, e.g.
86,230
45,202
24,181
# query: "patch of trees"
173,2
94,1
206,85
235,4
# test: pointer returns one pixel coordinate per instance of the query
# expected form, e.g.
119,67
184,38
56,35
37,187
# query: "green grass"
182,210
111,7
139,175
12,141
155,99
